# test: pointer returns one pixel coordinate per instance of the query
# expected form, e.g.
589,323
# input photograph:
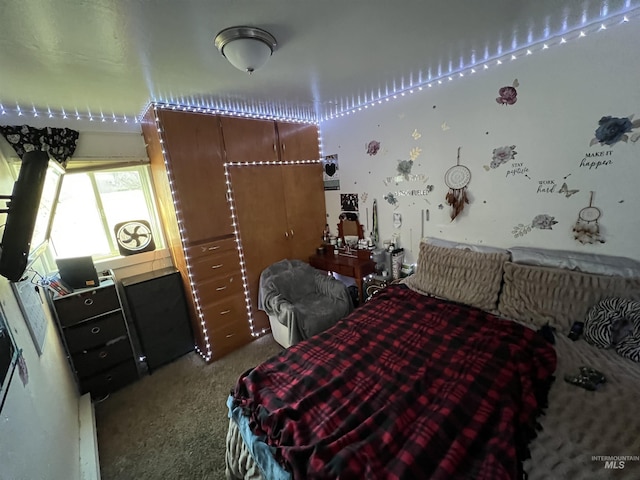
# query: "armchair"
300,300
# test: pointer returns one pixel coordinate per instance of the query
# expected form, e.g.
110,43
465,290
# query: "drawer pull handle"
215,247
216,266
230,335
88,301
221,288
103,354
225,312
95,330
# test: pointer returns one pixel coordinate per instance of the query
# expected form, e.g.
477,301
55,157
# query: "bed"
455,373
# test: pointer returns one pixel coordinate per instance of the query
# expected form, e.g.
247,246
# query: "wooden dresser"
94,332
348,265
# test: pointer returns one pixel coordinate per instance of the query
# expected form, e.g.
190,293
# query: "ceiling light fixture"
246,48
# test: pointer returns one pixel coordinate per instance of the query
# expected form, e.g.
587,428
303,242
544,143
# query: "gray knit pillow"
463,276
561,297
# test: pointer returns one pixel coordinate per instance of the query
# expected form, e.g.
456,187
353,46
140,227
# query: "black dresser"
96,337
157,306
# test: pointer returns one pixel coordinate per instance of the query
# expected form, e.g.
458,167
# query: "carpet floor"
172,424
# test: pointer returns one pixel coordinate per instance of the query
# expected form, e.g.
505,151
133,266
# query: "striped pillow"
615,322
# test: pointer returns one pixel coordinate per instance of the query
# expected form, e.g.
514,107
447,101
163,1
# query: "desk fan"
134,237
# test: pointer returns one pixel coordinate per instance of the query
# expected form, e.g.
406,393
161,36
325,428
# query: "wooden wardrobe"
188,152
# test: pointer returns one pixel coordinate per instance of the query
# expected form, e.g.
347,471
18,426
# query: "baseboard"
89,460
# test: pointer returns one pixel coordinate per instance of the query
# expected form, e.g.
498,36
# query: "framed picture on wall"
330,173
349,202
32,305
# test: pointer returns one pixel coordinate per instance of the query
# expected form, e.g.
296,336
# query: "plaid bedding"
406,387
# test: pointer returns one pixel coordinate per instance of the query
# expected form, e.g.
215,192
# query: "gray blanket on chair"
303,298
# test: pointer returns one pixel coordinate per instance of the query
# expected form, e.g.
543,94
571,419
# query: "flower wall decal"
502,155
404,168
373,147
612,130
391,199
543,221
508,95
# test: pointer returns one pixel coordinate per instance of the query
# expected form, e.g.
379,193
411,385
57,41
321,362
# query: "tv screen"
46,209
30,212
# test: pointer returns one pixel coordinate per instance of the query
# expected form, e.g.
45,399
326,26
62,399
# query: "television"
30,210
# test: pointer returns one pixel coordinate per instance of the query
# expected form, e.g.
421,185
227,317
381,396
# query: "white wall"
562,94
39,430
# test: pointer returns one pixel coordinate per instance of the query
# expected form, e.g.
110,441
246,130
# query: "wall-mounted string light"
516,53
347,106
228,113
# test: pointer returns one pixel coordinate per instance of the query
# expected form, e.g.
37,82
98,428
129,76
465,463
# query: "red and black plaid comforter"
406,387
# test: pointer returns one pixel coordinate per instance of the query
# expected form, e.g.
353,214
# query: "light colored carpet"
172,424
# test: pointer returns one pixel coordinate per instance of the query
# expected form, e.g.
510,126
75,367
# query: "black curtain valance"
60,143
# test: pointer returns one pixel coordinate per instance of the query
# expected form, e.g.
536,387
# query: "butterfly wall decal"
564,189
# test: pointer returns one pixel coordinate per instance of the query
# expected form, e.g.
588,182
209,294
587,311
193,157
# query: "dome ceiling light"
246,48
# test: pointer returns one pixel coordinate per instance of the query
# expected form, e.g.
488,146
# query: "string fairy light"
345,106
497,60
207,354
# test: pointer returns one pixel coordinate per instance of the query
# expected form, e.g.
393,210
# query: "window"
92,203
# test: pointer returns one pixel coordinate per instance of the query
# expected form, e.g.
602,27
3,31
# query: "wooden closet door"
262,219
305,207
248,140
298,141
193,143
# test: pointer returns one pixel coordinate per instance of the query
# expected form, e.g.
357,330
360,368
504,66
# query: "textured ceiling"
107,59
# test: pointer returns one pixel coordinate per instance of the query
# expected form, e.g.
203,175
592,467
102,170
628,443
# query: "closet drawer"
218,265
226,339
100,359
74,308
219,288
110,380
230,311
208,249
96,332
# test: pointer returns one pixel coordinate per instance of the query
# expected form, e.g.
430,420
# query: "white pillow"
579,261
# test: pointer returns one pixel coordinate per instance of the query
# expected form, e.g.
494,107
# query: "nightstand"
158,308
95,335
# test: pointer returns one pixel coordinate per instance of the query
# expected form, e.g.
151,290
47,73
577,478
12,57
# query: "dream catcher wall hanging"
457,178
587,230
